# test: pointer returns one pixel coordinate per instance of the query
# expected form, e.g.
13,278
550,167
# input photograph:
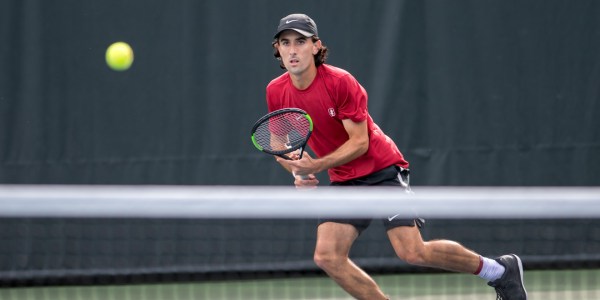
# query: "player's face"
297,52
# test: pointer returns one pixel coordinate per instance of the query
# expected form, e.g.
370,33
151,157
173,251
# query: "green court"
542,285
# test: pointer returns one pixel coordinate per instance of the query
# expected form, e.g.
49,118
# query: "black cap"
300,23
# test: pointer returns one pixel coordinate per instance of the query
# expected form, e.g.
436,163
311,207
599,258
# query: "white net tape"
287,202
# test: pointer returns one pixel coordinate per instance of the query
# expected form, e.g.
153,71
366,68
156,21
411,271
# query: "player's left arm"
356,145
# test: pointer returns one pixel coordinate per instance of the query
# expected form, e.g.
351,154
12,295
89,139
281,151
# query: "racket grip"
304,177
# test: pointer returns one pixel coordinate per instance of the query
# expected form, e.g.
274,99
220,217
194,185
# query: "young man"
354,151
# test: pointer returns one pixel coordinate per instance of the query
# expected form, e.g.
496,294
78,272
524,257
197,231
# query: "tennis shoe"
510,286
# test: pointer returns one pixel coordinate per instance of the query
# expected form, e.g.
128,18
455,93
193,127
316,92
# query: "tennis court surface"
542,285
133,242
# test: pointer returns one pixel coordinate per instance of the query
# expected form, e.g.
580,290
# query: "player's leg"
443,254
334,241
505,273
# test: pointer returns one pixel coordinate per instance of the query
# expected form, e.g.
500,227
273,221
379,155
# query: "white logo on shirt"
331,111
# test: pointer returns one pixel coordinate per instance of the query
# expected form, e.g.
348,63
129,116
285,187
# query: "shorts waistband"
387,173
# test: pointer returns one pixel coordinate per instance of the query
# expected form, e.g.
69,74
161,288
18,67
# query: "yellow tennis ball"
119,56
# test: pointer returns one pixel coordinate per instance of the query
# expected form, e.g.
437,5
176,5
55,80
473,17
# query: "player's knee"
327,261
413,258
416,256
322,260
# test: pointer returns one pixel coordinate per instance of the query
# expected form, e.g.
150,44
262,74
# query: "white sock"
490,269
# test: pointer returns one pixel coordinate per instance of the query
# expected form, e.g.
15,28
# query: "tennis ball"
119,56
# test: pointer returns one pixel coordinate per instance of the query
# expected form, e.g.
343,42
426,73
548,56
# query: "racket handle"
304,177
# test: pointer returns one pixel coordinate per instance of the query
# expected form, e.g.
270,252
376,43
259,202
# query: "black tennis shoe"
510,285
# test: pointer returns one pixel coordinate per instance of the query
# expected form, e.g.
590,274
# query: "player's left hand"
309,181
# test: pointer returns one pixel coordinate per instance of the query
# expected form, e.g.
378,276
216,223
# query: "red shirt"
333,96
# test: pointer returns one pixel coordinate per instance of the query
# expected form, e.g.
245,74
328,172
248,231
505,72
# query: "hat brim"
300,31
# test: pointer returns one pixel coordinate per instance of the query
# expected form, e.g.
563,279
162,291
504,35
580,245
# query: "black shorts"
390,176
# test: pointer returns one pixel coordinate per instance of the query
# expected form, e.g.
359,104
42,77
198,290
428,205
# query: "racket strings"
283,132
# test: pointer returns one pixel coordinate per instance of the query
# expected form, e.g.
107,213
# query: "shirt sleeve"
273,100
351,99
269,100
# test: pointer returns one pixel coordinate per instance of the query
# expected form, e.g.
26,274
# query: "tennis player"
356,152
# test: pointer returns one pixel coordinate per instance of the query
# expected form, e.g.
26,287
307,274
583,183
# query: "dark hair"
320,57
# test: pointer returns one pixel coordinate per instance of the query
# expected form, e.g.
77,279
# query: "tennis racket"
282,132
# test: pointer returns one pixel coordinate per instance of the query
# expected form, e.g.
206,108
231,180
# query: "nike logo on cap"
290,21
392,217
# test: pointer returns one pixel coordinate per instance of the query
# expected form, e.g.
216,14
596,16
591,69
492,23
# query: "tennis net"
241,242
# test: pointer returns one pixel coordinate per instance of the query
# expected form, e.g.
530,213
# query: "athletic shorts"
390,176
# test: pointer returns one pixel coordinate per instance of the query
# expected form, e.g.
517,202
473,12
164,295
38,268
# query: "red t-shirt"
333,96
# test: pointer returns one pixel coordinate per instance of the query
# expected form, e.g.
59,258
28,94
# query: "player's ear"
317,46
